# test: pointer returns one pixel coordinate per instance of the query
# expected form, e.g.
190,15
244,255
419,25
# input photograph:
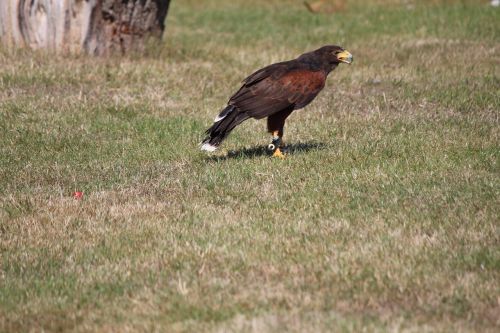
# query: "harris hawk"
274,92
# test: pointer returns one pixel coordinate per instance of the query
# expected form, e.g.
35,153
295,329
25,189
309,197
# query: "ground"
384,217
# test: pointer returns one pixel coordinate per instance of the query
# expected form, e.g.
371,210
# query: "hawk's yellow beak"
345,57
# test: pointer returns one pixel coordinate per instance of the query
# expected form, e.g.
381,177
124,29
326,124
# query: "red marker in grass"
78,195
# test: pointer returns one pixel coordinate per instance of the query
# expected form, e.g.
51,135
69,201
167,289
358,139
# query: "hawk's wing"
278,87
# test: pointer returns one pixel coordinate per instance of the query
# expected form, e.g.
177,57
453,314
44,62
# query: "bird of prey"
274,92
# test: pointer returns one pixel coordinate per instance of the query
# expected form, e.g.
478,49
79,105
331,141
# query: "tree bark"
96,27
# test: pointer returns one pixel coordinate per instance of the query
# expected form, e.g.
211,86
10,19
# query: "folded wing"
277,87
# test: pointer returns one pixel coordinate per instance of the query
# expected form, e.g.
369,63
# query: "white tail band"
208,147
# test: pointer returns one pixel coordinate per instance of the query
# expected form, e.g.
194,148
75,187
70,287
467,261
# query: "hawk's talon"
278,153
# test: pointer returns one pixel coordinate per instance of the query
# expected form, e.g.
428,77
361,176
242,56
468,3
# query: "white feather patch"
219,118
208,147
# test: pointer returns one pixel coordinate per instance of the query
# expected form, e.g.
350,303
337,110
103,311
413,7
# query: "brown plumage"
276,91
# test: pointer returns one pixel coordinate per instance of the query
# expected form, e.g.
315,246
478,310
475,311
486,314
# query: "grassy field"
384,217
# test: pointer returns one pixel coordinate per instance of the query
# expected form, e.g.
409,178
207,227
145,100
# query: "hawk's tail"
224,123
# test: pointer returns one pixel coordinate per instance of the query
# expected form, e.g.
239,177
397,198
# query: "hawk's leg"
277,145
275,125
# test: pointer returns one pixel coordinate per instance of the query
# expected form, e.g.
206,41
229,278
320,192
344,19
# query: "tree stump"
97,27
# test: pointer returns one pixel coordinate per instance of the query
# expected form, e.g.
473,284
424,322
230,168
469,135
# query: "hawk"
275,92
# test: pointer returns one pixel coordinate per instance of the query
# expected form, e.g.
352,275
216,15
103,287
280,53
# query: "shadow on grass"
291,149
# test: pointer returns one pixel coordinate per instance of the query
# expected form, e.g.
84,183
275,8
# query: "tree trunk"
97,27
